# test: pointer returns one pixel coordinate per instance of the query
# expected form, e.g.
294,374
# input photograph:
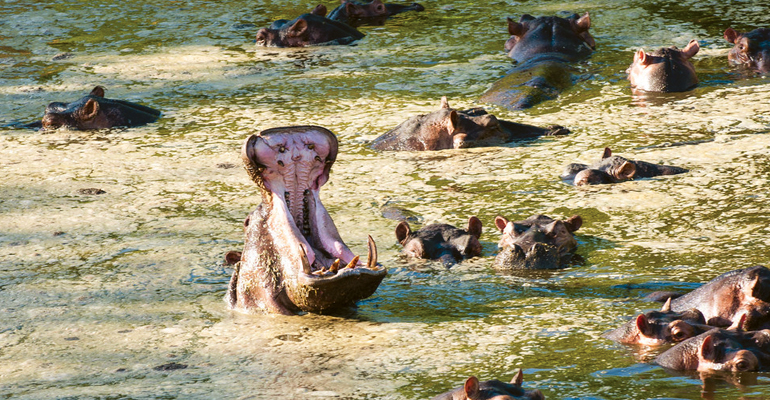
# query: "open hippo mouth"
293,249
539,242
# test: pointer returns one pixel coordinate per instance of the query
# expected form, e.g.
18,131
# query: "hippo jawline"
538,256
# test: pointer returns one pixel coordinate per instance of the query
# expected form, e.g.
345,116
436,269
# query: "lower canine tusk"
371,261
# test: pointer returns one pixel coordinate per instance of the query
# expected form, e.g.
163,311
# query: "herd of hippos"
295,261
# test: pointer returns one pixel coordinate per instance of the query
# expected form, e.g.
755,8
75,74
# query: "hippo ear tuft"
691,49
574,223
474,226
501,222
731,35
90,110
98,91
299,28
444,102
402,232
667,306
471,388
607,153
518,378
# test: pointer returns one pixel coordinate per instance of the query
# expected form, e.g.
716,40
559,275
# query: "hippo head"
294,258
566,38
441,241
611,169
751,49
306,30
539,242
96,112
655,328
664,70
374,9
720,350
491,390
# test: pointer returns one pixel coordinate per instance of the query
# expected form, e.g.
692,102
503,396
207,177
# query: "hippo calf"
448,128
664,70
538,242
720,350
94,111
614,169
491,390
441,242
751,49
655,328
307,30
293,257
356,13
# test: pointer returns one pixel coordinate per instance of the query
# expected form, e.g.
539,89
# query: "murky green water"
97,290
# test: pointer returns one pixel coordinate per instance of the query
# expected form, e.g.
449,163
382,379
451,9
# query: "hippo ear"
642,325
402,232
501,223
444,102
573,223
98,91
641,58
453,122
319,10
626,171
89,110
518,379
582,24
232,257
350,8
740,324
516,28
607,153
298,29
731,35
691,49
667,306
471,388
707,348
474,226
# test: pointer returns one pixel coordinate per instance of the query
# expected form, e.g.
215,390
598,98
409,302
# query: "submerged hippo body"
448,128
96,112
293,258
356,13
491,390
543,47
751,49
664,70
614,169
307,30
720,350
655,328
441,242
538,242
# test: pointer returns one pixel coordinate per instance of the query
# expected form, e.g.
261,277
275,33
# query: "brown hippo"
441,242
538,242
543,47
293,258
492,390
655,328
307,30
751,49
94,111
448,128
664,70
614,169
720,350
356,13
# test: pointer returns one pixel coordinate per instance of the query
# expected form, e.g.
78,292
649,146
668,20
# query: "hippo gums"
293,258
751,49
655,328
538,242
614,169
355,13
491,390
441,242
543,47
720,350
664,70
307,30
448,128
96,112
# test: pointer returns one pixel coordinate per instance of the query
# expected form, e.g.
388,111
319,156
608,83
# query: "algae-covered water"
119,295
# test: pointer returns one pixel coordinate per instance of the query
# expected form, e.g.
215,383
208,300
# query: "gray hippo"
664,70
544,48
492,390
614,169
655,328
94,111
751,49
293,257
448,128
307,30
441,242
720,350
356,13
538,242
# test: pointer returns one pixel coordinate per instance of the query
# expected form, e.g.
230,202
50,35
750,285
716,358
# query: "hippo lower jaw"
538,256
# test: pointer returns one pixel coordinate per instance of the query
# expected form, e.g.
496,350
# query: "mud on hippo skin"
751,49
493,389
614,169
307,30
664,70
441,242
720,350
94,111
538,242
448,128
655,328
544,47
356,13
293,257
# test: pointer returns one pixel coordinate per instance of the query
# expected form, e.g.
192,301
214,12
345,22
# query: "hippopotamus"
664,70
448,128
544,48
720,350
655,328
538,242
95,112
355,13
293,258
751,49
491,390
307,30
441,242
614,169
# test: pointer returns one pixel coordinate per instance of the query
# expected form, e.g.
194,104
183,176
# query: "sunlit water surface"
99,291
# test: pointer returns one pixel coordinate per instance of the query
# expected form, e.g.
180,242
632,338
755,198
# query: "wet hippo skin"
441,242
614,169
751,49
307,30
94,111
356,13
538,242
491,390
720,350
664,70
655,328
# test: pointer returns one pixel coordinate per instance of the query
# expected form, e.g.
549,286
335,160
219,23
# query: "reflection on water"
99,292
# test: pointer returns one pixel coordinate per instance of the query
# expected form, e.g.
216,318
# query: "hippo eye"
317,158
678,335
742,365
311,146
280,163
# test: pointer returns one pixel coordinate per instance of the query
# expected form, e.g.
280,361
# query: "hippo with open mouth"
293,258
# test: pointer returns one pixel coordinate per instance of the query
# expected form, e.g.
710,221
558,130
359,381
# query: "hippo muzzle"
539,242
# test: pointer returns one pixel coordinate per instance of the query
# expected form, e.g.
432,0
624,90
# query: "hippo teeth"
371,253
